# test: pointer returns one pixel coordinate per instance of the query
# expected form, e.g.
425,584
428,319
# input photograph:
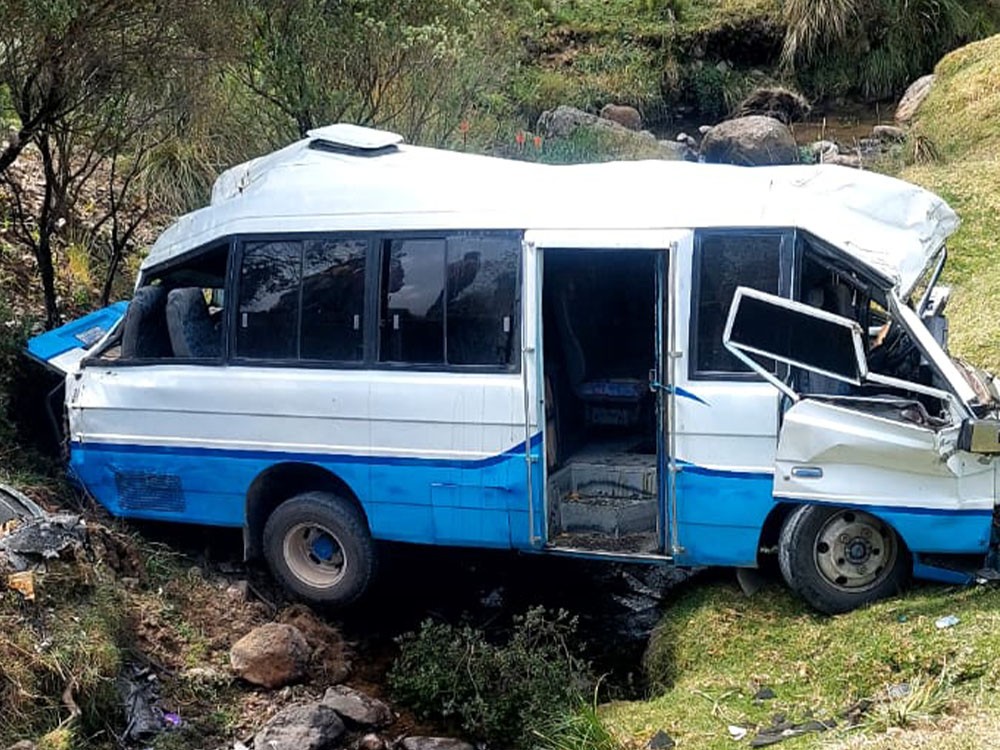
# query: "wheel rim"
315,555
855,551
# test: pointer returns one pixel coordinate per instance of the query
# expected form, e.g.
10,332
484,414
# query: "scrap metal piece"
16,505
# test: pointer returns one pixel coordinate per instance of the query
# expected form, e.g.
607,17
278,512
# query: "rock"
764,694
372,742
888,133
750,141
777,102
272,655
819,149
679,151
702,129
843,160
36,540
434,743
563,122
357,707
682,138
23,745
309,726
624,115
913,98
238,591
660,741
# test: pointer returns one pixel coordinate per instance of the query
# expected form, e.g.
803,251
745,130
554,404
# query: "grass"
959,122
715,648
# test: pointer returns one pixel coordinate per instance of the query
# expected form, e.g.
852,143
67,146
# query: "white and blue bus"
360,340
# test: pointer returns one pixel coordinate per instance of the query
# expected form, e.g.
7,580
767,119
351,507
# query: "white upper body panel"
892,226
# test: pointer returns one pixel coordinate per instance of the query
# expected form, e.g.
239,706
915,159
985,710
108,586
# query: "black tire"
838,559
319,548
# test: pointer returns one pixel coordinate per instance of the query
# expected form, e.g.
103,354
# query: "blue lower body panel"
406,500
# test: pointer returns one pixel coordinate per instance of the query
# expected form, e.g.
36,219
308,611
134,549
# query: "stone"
563,122
308,726
915,95
888,133
703,129
624,115
434,743
372,742
775,101
764,694
660,741
843,160
272,655
356,707
238,591
679,151
819,149
23,745
750,141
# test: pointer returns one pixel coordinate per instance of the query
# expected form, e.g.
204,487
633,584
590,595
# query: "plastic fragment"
737,733
947,621
172,720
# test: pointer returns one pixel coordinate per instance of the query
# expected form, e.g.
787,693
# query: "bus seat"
192,332
144,329
608,399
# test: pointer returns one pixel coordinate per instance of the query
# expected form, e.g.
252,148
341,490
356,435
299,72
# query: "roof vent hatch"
356,140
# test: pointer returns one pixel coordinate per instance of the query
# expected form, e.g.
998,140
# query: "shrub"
497,692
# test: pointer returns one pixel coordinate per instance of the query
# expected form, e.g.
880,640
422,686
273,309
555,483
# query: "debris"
140,694
895,692
948,621
750,579
372,742
15,505
43,538
24,583
171,720
781,731
764,694
737,733
660,741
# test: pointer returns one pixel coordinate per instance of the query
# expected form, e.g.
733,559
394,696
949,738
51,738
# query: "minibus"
360,340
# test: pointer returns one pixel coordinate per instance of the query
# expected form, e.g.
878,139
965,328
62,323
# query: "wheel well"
771,529
281,482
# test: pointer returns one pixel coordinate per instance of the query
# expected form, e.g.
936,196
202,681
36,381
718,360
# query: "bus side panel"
720,515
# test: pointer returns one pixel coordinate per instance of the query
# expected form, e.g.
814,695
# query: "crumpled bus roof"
890,225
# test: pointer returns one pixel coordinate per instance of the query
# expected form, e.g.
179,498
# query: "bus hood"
62,349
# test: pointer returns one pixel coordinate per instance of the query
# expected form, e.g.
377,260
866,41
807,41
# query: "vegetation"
497,692
876,669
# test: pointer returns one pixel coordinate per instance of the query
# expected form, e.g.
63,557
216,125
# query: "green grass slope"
715,648
961,118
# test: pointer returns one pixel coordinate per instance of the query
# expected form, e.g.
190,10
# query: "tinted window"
726,261
333,300
413,302
482,295
267,327
450,302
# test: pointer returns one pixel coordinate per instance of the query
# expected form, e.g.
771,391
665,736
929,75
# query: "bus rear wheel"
838,559
319,548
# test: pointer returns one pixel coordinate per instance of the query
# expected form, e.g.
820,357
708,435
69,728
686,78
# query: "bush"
496,692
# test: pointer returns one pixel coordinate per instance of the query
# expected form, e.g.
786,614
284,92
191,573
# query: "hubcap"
314,555
854,550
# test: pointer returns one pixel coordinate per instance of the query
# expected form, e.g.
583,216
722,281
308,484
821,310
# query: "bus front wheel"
838,559
319,548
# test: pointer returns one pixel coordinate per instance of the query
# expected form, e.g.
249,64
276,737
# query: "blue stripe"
345,458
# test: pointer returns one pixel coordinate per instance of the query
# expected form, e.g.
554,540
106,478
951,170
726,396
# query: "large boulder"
913,98
272,655
624,115
310,726
606,136
750,141
777,102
